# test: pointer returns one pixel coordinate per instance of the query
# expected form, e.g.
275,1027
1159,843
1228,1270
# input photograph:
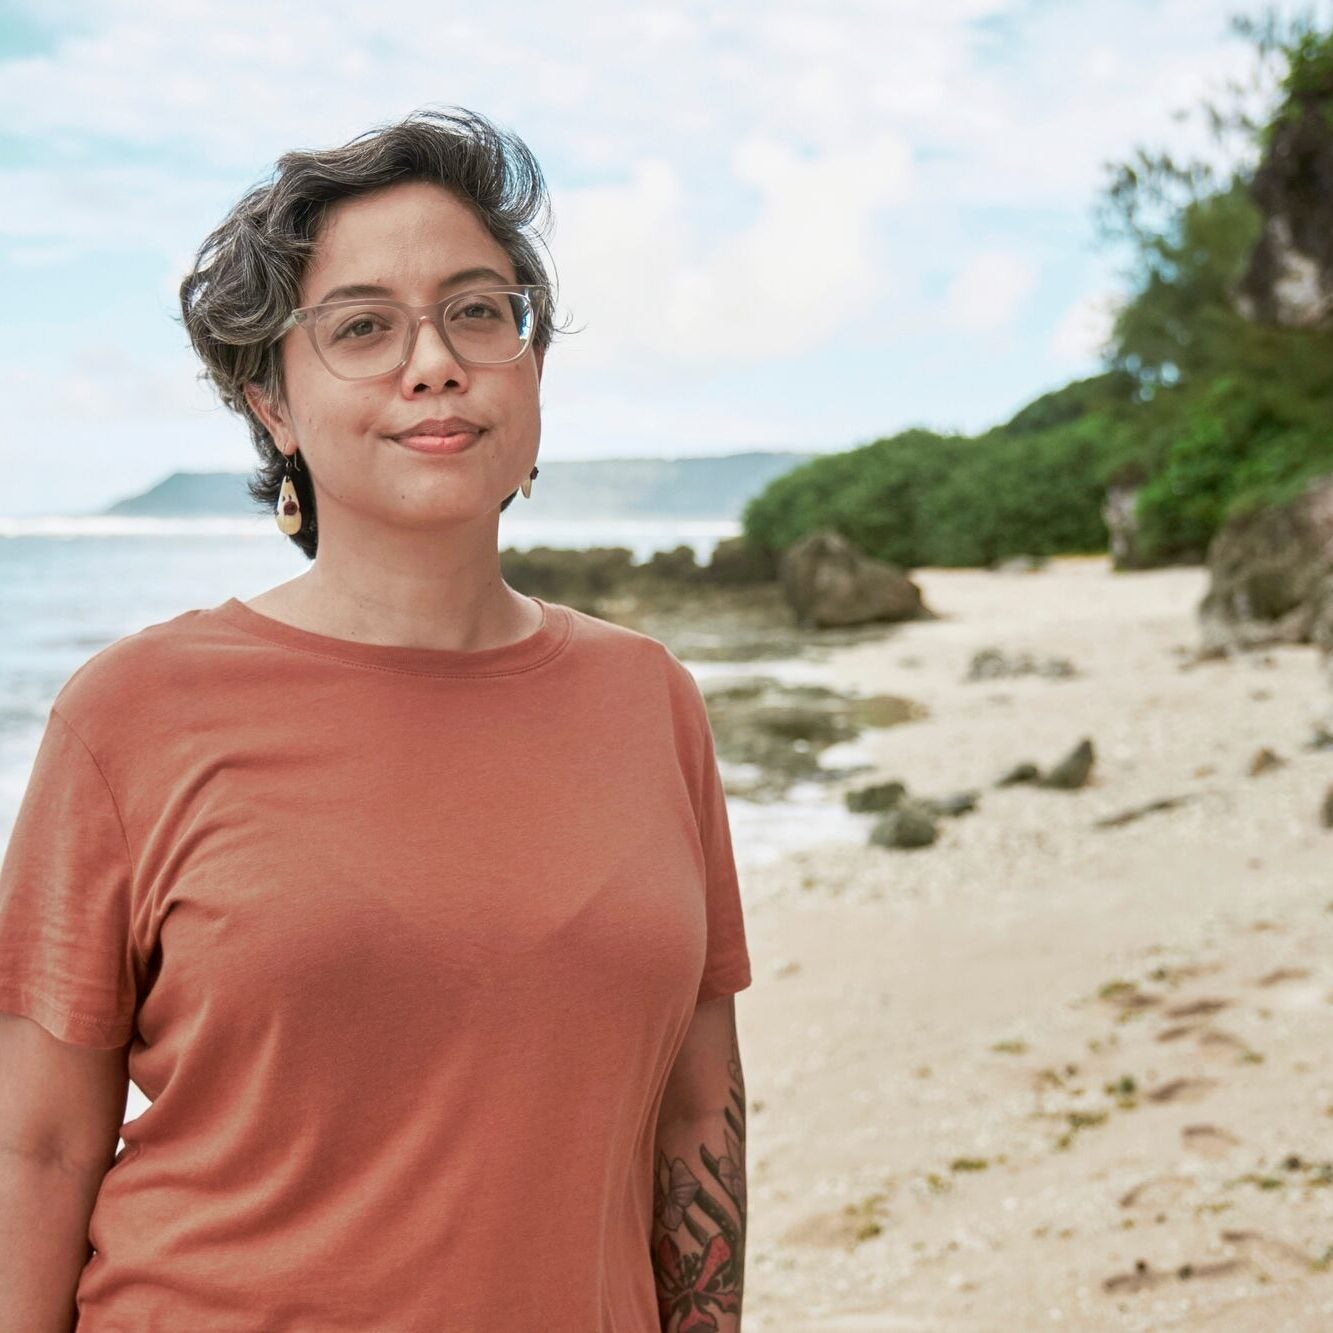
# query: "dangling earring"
526,487
287,512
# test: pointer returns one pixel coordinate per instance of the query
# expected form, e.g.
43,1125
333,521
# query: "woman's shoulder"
121,678
623,645
625,650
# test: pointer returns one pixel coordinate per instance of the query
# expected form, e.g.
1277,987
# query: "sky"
896,197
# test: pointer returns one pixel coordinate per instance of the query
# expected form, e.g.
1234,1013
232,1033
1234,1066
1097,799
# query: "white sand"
884,979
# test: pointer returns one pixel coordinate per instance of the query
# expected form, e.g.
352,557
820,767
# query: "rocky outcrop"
735,561
827,581
1120,514
1289,280
1272,576
777,731
577,577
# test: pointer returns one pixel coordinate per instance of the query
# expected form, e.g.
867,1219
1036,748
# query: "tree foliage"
1212,411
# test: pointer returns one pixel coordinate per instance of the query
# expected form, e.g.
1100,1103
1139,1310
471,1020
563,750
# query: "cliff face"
1272,571
1289,280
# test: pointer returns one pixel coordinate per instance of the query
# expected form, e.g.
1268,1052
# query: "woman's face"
406,238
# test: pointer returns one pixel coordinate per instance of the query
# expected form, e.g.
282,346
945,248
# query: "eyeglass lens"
370,338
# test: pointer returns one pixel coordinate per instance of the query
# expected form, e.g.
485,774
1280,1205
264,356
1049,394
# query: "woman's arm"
61,1105
698,1237
45,1205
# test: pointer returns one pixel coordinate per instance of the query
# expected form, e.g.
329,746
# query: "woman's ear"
273,421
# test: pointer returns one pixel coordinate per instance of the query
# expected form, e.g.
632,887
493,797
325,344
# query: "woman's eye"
355,324
358,327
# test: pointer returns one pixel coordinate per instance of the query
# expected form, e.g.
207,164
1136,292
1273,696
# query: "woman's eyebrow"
370,289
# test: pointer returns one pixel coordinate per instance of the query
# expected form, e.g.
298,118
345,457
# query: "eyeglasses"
362,339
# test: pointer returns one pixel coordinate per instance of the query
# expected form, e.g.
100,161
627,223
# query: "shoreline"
990,1078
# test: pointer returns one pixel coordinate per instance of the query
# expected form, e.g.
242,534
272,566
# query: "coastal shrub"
1032,486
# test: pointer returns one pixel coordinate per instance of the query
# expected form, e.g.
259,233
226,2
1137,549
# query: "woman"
409,900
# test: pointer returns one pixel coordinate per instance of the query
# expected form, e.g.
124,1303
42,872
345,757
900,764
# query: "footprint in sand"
1181,1090
1197,1008
1268,1247
1144,1275
1211,1040
1190,1009
1180,1030
1284,974
1208,1140
1214,1041
1159,1192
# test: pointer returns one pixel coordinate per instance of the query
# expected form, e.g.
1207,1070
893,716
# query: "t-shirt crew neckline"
522,655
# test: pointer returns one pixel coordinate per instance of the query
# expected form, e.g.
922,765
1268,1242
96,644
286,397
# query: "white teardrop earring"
526,487
287,511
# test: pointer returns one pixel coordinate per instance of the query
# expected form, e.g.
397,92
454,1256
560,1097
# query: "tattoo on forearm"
705,1277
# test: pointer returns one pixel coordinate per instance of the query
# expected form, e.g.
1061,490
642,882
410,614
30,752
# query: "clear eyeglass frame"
534,293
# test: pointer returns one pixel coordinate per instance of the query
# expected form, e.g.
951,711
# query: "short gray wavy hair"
247,274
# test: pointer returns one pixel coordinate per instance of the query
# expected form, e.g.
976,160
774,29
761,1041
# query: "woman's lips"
440,444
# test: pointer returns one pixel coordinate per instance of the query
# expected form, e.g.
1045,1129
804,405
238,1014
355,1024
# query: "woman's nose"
430,351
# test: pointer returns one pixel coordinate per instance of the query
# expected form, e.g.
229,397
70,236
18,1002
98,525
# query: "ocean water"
70,586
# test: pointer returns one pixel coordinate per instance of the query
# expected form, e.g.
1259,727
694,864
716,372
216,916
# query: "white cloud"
987,292
97,209
43,254
648,281
600,82
1029,129
102,382
1085,329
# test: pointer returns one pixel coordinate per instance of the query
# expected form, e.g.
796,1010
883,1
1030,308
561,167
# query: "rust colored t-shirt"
403,941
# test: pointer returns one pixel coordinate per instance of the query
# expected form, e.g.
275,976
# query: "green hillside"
706,487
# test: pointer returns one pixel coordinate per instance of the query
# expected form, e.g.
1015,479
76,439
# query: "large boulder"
1270,575
827,581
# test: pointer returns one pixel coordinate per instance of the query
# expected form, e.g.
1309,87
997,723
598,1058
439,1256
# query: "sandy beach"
1044,1074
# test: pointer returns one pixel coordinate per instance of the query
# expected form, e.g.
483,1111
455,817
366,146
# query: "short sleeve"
727,962
65,958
